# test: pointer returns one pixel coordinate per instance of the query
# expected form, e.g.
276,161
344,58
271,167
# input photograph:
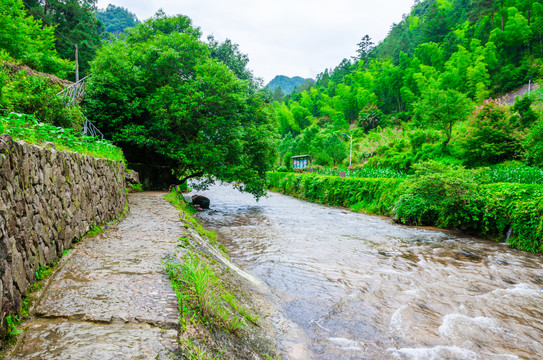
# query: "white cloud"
284,37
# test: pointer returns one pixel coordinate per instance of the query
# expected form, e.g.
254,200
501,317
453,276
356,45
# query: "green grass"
514,173
361,172
28,128
200,294
191,351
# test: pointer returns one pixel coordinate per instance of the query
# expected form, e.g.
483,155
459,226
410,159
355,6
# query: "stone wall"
48,200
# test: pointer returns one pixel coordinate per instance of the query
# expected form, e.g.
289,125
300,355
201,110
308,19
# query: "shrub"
371,195
533,145
36,96
440,195
490,138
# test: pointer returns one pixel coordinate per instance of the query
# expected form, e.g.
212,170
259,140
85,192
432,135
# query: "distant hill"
287,84
116,19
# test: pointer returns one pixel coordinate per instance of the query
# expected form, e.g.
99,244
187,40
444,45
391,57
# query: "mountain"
116,19
286,84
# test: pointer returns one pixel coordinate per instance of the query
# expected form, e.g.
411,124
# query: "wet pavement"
112,299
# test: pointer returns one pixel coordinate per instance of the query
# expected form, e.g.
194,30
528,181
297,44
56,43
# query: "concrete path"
112,299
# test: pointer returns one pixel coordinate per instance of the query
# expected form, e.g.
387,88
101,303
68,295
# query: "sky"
284,37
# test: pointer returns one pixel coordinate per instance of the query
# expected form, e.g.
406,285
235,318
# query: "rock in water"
201,201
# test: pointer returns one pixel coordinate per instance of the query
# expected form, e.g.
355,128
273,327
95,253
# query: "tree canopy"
161,94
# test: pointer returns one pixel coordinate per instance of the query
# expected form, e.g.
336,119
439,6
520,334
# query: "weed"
233,302
95,230
137,187
192,351
201,294
44,272
12,325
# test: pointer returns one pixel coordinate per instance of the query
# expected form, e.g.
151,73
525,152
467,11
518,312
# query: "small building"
301,161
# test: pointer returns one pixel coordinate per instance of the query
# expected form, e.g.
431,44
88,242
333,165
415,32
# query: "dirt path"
112,299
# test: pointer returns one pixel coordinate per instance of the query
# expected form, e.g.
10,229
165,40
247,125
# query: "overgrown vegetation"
29,40
197,282
424,92
435,195
29,129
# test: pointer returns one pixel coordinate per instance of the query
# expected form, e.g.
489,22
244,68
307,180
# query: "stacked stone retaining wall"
48,200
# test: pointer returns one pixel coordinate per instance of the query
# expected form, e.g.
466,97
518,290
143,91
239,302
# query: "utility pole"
76,65
351,151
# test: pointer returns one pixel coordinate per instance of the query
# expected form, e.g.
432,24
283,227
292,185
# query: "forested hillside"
425,92
28,43
116,19
75,25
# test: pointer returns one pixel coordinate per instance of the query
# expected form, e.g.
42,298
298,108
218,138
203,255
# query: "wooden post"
76,65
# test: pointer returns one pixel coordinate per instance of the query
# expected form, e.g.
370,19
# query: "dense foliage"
412,97
29,129
116,19
28,40
24,42
35,95
162,95
75,24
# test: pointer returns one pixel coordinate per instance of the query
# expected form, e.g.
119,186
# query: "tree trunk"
501,12
492,16
196,174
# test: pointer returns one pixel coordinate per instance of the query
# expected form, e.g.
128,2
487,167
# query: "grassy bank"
453,198
217,315
28,128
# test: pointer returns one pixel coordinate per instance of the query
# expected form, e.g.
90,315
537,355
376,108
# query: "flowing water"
352,286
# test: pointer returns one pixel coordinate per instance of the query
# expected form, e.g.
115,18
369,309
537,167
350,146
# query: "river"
352,286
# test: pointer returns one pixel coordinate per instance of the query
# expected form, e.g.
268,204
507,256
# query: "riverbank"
221,312
500,211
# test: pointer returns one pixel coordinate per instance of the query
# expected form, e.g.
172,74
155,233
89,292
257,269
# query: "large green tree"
443,109
162,96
